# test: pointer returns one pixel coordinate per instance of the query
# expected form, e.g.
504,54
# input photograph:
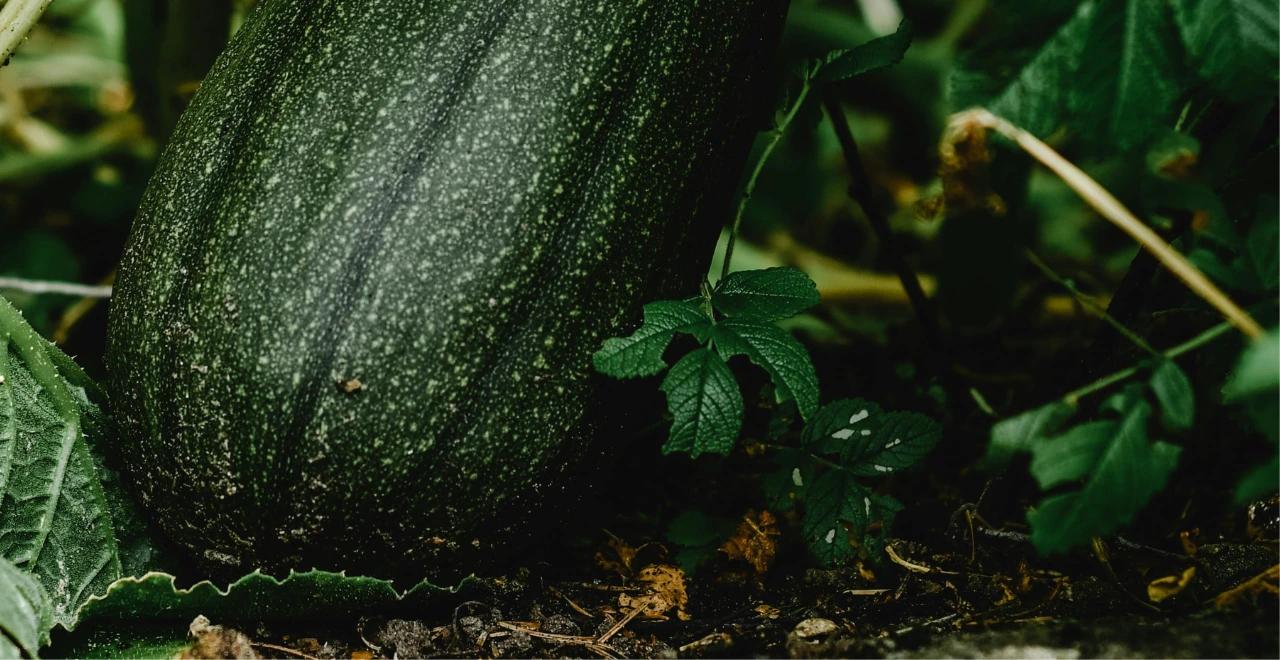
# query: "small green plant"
846,442
1104,470
737,318
1101,472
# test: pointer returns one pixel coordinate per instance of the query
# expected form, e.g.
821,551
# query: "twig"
775,136
59,288
283,649
1114,211
17,17
861,192
1089,304
912,566
591,643
926,624
635,611
1073,397
564,639
612,588
576,607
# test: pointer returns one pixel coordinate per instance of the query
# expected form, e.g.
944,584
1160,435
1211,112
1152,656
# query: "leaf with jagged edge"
768,294
705,405
640,354
867,441
152,611
25,615
773,349
55,521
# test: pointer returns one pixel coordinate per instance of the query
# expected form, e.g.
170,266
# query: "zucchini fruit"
354,320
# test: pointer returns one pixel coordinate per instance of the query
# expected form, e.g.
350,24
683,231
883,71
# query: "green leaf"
1072,455
1177,399
1111,71
699,536
151,611
1259,482
867,441
773,349
839,516
783,486
769,294
834,505
883,510
705,405
1233,44
1263,247
900,440
1258,370
256,597
876,54
641,353
841,426
694,528
1127,471
1019,434
1131,78
55,520
25,614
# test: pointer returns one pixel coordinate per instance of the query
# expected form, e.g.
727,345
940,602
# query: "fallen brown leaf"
753,541
664,591
1162,589
623,558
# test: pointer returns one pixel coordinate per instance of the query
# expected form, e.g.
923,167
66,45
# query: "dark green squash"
354,320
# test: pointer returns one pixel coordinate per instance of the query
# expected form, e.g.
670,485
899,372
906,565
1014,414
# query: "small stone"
472,629
405,639
559,624
810,629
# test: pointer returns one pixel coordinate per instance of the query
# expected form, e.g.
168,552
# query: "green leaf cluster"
1115,71
737,318
1098,474
1254,385
846,441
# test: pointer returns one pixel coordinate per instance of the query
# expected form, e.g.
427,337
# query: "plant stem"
60,288
1114,211
17,17
774,137
1072,398
861,191
1090,305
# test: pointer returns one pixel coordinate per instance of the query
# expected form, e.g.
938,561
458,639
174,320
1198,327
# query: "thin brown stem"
17,17
1115,212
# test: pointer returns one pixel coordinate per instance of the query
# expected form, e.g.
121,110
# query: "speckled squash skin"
449,201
